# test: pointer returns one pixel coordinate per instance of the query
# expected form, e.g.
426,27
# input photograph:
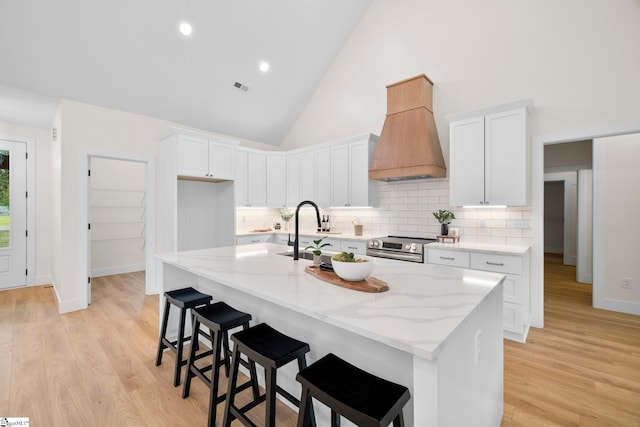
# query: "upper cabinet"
350,183
250,183
323,177
489,163
206,159
276,180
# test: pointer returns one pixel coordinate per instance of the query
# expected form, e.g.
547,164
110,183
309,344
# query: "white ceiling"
128,55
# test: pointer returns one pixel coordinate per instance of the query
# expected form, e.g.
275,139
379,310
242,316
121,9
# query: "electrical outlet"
627,282
482,223
476,346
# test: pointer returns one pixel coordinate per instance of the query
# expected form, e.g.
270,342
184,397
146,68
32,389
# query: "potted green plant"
317,249
444,217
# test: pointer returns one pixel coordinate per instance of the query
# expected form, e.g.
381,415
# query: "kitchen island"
438,330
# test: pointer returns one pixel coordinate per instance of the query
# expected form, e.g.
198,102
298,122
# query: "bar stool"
359,396
186,298
219,318
270,349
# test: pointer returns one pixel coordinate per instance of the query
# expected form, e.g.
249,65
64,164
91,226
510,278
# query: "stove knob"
407,247
413,247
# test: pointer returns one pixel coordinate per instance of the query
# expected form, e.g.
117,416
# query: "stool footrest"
291,398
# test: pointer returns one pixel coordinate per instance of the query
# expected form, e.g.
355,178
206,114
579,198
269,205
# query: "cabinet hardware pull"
352,247
448,258
499,264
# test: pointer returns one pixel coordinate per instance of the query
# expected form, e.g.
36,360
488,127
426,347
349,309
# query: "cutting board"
370,284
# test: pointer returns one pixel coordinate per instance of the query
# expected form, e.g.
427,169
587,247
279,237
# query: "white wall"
616,208
480,54
95,130
43,194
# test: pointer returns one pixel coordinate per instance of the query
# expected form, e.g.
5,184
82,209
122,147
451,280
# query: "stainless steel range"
398,247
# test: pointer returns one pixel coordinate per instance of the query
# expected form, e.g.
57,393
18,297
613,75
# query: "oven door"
401,256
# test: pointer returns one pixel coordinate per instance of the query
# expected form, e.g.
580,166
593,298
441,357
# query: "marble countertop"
423,307
480,247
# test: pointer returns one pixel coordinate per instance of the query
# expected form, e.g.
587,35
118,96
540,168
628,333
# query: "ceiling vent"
240,86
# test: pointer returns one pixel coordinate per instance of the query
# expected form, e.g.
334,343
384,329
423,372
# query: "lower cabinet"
516,284
335,244
254,238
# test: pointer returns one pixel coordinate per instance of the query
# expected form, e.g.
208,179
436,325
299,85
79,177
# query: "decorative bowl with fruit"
350,267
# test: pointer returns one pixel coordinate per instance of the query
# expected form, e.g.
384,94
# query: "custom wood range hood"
409,147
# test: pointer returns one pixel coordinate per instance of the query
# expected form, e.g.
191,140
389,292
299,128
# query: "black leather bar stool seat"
184,299
220,318
359,396
271,349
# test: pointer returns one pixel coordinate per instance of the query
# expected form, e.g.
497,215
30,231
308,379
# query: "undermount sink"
308,255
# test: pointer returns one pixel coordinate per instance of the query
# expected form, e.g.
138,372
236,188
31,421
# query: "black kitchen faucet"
296,242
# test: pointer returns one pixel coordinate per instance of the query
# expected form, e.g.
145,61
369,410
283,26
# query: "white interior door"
13,214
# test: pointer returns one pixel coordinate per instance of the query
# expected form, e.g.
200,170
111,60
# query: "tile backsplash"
405,208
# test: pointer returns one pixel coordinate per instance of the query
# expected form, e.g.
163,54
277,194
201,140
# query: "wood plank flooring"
97,367
581,369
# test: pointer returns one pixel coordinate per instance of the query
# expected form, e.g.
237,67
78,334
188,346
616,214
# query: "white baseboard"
620,306
68,305
43,279
110,271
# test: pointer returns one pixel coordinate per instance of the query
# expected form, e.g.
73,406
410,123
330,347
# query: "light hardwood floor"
96,367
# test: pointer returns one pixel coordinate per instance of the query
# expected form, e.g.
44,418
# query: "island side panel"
323,338
169,278
469,371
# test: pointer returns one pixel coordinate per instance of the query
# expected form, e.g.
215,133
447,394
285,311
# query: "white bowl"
353,271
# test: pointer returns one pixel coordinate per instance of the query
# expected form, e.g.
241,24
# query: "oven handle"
395,255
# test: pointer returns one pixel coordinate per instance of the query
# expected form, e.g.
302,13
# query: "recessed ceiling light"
264,66
185,29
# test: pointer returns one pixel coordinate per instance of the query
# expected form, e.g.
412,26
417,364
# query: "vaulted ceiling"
129,55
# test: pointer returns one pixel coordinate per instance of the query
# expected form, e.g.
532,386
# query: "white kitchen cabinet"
240,182
450,258
307,176
357,247
350,183
194,212
489,162
251,178
254,238
281,239
340,175
293,177
515,288
204,158
276,176
322,164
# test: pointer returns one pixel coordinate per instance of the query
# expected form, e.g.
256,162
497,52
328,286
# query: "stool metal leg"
231,392
190,361
335,419
163,332
270,382
217,338
180,345
305,404
399,420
